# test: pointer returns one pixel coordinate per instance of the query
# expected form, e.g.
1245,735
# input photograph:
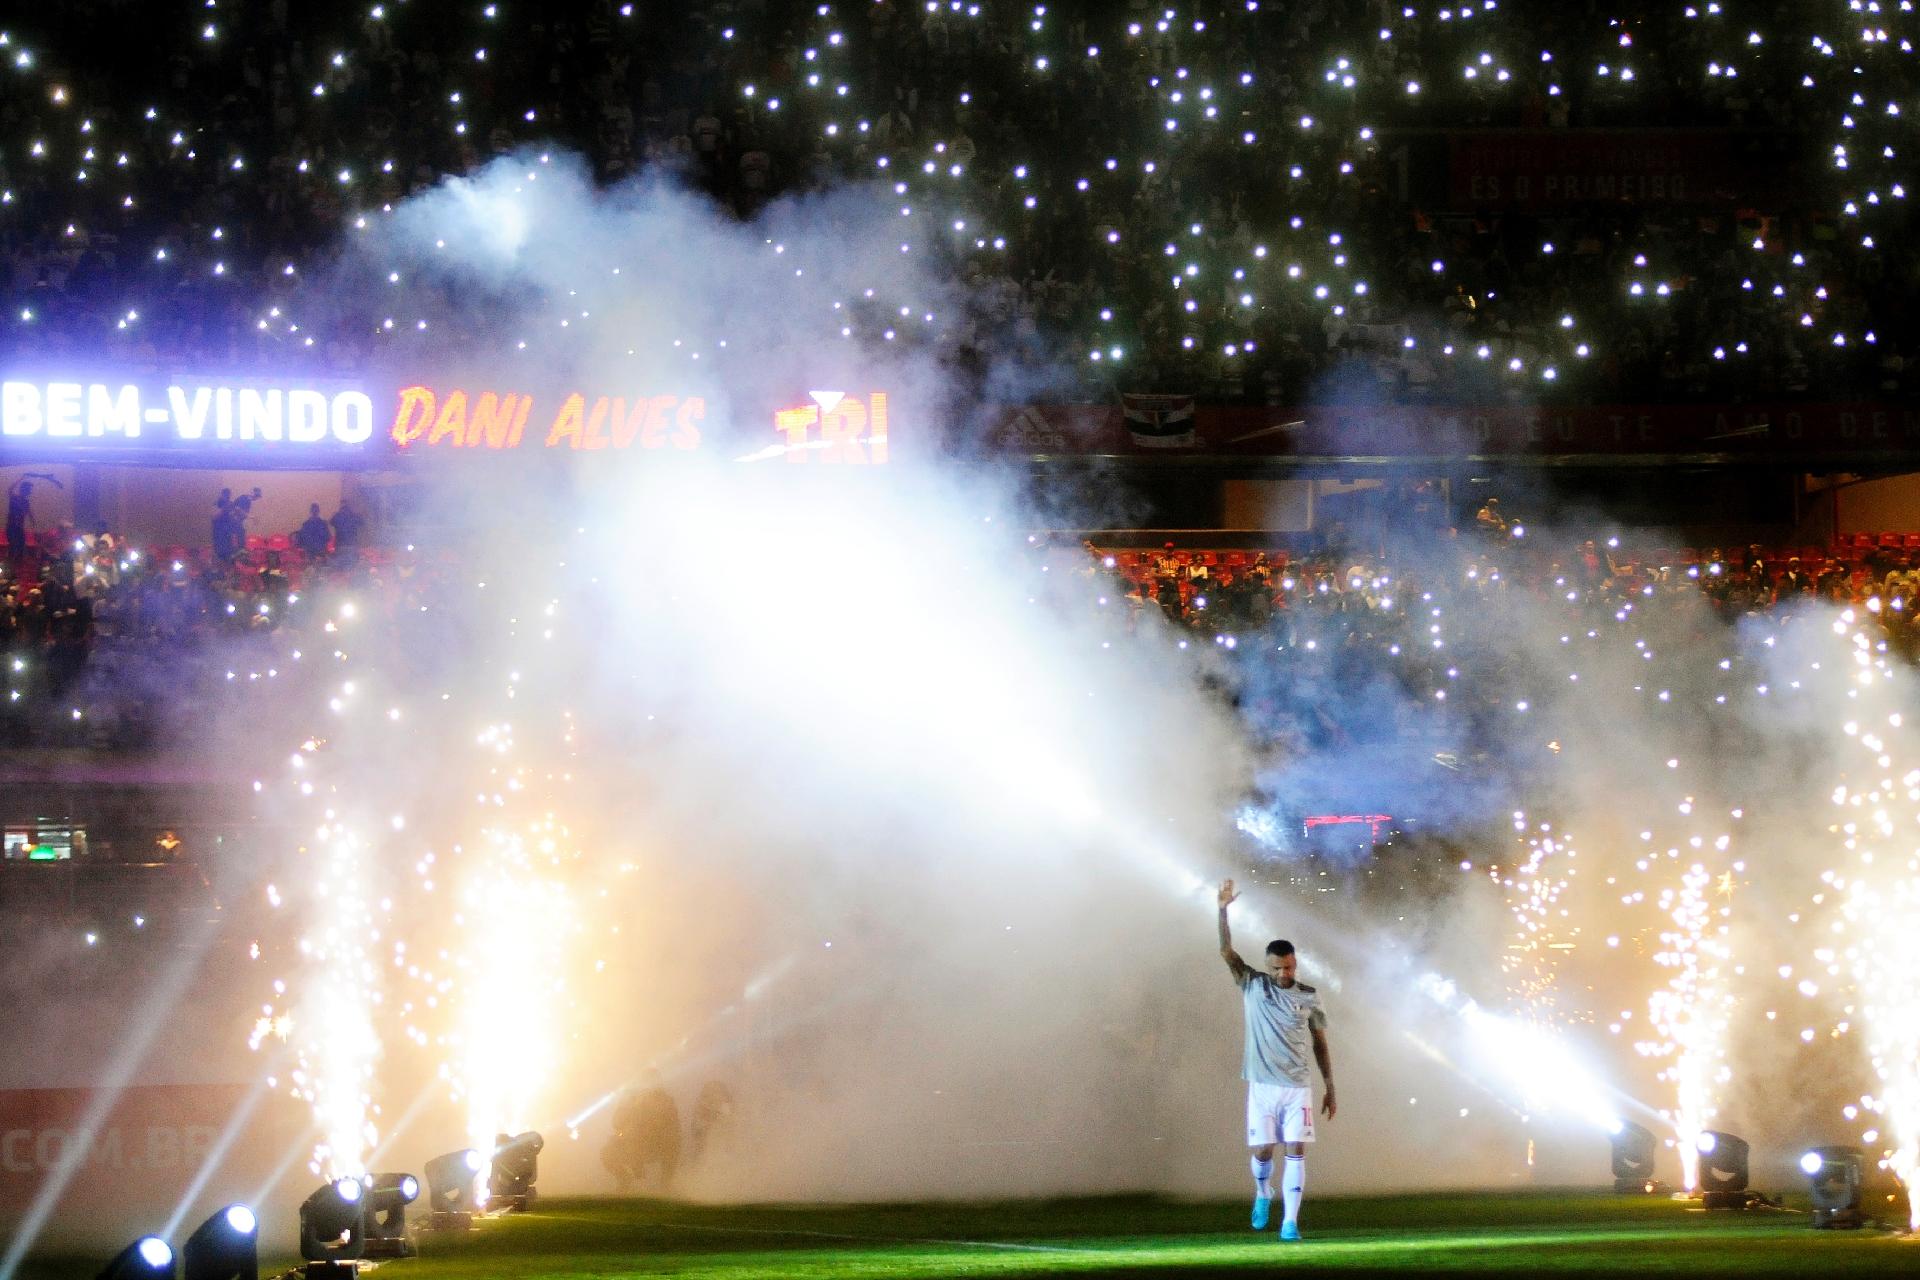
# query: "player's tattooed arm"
1325,1059
1238,966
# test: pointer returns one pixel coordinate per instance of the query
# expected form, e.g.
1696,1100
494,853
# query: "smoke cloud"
823,784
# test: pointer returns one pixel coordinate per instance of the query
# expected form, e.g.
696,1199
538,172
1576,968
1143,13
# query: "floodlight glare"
144,1259
1633,1153
333,1226
516,1165
388,1196
1723,1170
1833,1177
224,1247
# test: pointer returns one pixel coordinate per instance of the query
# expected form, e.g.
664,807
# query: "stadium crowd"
1225,198
1224,592
1217,197
1436,643
100,638
107,644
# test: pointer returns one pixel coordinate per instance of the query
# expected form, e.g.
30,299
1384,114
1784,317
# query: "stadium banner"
151,1145
1388,433
341,424
295,423
1159,422
1545,170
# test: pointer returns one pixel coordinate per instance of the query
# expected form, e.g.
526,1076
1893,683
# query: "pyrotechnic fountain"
329,1014
514,920
338,1057
456,957
1870,902
1692,1010
1543,933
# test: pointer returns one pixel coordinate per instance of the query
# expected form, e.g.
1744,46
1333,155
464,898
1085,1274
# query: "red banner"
1545,169
145,1154
1707,433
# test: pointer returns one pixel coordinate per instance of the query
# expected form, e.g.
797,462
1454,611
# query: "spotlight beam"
158,1007
1520,1054
722,1051
404,1123
302,1145
215,1157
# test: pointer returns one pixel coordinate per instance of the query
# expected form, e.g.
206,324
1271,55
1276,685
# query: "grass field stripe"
841,1235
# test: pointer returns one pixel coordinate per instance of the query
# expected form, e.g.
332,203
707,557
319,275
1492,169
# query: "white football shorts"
1278,1113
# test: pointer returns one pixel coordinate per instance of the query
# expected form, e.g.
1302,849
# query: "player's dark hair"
1279,947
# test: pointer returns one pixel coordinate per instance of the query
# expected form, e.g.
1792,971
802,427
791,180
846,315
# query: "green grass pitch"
1526,1234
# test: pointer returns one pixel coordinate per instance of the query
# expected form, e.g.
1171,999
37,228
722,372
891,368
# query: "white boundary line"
840,1235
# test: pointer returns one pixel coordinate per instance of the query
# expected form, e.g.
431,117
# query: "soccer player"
1282,1017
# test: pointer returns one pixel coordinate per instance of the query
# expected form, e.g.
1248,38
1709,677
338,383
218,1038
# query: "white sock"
1293,1182
1262,1173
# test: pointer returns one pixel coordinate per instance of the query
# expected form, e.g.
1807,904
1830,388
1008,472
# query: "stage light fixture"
1834,1175
387,1198
224,1247
1634,1148
516,1164
1723,1170
144,1259
333,1229
453,1189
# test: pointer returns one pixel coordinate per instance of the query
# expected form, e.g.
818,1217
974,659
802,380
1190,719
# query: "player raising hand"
1283,1019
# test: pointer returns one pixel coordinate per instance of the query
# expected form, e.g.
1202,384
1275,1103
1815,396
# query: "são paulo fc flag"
1159,422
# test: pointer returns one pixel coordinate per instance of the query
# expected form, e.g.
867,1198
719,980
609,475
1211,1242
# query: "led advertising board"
247,422
191,414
